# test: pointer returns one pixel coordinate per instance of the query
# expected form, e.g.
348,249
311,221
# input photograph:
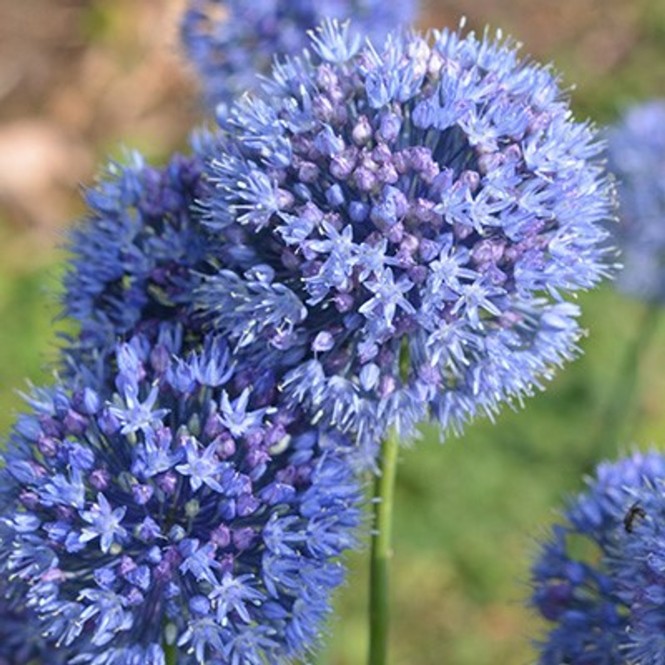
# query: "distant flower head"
409,220
20,639
232,42
639,564
636,149
189,507
589,580
134,259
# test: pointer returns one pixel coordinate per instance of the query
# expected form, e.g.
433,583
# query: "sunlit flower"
410,223
213,520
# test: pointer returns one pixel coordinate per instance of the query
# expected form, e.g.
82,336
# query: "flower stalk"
622,400
170,654
381,552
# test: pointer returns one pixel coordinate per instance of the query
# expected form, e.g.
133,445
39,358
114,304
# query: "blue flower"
104,523
214,521
639,570
231,43
636,151
201,468
410,224
136,259
590,576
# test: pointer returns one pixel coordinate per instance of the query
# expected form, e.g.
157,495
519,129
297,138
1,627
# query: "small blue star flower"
104,523
214,521
201,468
235,416
135,415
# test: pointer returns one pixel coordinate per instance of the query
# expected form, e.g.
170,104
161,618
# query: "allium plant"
232,43
178,508
412,220
636,150
598,578
138,256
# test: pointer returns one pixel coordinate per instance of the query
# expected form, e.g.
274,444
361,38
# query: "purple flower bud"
142,493
221,536
48,446
243,538
167,482
99,479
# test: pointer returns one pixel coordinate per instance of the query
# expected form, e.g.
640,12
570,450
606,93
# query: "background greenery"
79,77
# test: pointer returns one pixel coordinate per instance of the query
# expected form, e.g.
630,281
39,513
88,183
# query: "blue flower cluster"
139,255
599,578
636,150
233,42
179,503
406,221
385,231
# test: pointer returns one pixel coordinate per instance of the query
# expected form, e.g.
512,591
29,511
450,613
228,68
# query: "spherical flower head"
232,43
636,151
135,258
410,219
577,585
637,559
181,504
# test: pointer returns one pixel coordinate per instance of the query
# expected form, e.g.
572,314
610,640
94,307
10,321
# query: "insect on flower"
635,512
597,580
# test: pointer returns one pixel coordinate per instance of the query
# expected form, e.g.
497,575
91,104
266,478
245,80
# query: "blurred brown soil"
79,78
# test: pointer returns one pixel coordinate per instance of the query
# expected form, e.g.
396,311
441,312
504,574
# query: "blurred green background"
81,78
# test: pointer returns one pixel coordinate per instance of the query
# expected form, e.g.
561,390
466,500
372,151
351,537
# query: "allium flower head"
187,508
636,149
411,220
639,568
595,579
135,258
232,42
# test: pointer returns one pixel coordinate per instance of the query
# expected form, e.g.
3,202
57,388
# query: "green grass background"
470,511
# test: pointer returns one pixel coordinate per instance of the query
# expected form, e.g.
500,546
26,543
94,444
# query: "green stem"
379,613
622,398
171,654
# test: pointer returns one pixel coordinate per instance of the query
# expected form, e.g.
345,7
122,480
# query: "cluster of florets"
407,220
636,150
381,234
232,42
139,255
599,578
178,504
